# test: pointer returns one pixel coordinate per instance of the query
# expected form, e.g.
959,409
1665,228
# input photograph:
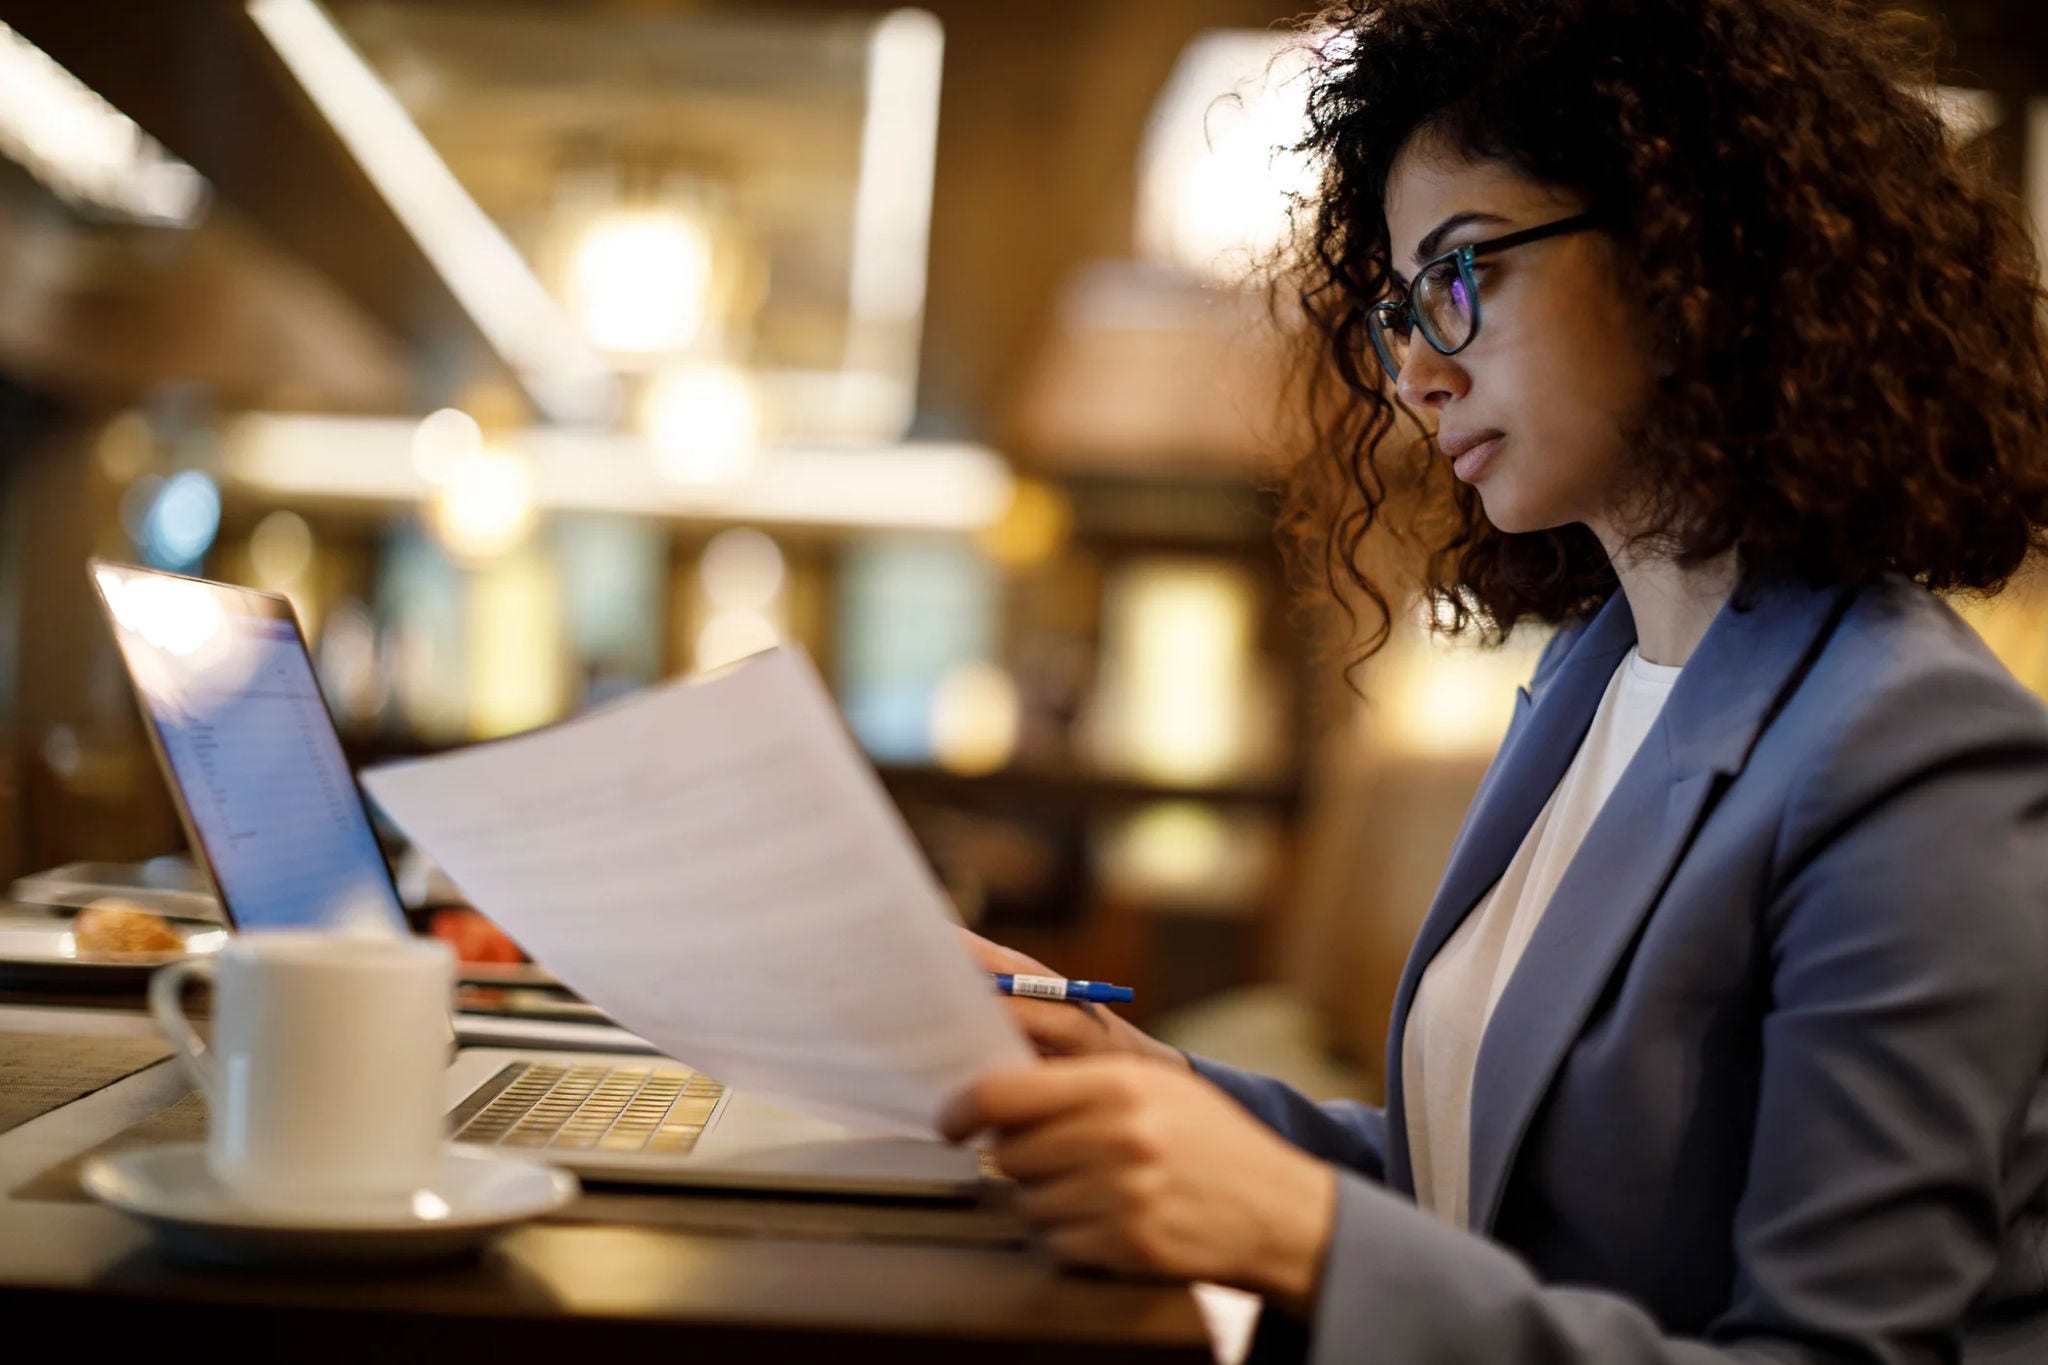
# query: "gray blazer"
1768,1083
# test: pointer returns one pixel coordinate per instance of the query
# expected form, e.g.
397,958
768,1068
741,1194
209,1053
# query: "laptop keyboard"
654,1110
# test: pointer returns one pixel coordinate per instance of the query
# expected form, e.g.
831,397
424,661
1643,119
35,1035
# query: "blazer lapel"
1542,738
1734,682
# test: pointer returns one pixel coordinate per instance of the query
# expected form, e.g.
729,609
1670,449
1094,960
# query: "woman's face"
1555,373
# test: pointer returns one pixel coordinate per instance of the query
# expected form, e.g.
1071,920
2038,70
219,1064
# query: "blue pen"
1059,988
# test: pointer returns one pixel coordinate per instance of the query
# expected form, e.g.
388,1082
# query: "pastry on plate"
112,925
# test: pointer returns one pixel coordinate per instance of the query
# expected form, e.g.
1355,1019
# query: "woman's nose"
1430,379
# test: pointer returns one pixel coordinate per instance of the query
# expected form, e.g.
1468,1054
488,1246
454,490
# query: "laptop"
236,718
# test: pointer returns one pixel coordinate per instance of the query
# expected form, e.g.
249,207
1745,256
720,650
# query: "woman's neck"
1673,606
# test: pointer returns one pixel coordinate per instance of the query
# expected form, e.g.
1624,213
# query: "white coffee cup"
324,1075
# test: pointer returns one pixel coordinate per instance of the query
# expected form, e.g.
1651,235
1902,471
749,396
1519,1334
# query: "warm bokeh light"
740,608
1215,176
1443,697
515,645
703,422
281,550
1033,528
125,447
470,252
730,636
640,281
974,719
1189,855
1176,670
486,507
443,440
1168,847
741,570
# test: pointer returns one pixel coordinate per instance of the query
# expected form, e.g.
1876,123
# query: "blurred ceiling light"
898,151
948,487
1177,670
89,153
281,549
741,570
442,441
731,636
892,205
486,507
490,279
703,422
640,281
1215,178
974,719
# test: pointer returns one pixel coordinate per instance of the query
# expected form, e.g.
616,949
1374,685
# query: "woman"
1724,1038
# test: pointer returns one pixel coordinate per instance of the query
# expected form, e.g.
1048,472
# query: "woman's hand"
1135,1166
1061,1028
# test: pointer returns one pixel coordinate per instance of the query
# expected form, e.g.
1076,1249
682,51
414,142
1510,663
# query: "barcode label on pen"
1044,987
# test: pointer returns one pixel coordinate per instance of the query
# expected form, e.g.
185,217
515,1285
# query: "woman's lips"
1472,461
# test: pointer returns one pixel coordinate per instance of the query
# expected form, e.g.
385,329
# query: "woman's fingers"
1056,1028
1082,1198
1094,1244
1052,1151
994,957
1029,1095
1059,1029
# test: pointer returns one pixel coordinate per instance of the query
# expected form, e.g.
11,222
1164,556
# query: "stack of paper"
716,865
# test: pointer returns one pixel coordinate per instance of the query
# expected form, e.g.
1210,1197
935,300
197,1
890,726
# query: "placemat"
41,1072
989,1223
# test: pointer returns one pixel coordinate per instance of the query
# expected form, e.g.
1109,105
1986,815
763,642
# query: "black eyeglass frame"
1387,315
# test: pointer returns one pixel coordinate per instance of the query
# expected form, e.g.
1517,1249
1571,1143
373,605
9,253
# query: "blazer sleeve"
1906,1035
1344,1132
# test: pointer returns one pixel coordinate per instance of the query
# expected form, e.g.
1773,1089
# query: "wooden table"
77,1273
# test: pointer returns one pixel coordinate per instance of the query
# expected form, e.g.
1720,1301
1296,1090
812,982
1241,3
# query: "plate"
476,1194
41,953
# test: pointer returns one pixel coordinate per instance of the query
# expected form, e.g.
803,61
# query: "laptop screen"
240,724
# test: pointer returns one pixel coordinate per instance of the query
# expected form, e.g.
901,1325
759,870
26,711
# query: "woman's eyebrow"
1432,241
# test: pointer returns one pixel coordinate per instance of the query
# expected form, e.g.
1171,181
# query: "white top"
1464,981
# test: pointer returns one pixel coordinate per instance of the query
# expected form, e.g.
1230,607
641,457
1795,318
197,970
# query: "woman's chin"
1504,513
1515,516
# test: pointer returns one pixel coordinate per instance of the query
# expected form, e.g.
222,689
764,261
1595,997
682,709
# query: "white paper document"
716,865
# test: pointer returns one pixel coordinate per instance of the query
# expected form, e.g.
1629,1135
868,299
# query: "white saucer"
477,1193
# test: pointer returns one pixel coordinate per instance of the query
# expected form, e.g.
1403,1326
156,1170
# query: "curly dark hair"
1842,311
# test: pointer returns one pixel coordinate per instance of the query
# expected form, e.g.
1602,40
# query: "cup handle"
166,1005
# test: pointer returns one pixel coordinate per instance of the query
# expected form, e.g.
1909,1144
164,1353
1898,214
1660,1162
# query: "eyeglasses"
1443,303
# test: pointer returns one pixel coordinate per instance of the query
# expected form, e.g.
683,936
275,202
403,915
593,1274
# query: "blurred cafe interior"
542,350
